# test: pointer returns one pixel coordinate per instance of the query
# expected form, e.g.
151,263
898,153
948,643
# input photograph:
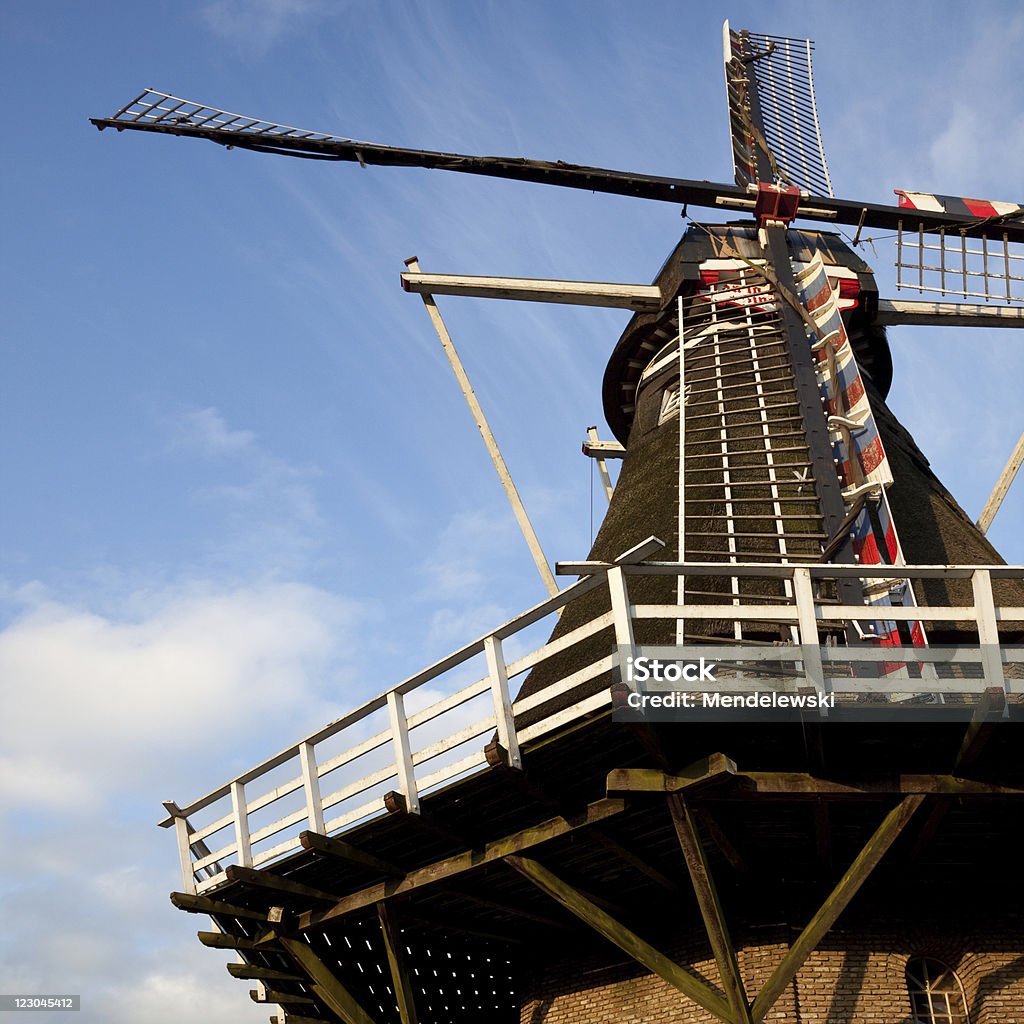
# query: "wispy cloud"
256,26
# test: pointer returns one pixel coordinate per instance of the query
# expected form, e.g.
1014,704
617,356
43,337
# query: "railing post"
311,785
807,620
403,752
504,718
241,815
188,876
620,607
988,631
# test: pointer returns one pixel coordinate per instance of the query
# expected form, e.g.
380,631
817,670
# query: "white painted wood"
241,814
623,617
213,828
277,793
359,786
563,686
463,696
948,314
403,753
366,810
564,642
988,513
594,449
595,702
681,490
640,298
451,771
311,784
518,509
347,756
803,594
456,739
505,720
988,632
188,878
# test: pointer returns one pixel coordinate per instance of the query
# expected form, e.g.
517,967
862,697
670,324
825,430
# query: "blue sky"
238,472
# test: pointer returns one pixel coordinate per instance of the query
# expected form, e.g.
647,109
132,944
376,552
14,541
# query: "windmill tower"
558,861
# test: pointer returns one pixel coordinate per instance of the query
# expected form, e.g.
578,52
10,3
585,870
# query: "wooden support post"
721,840
710,908
620,607
347,852
636,861
311,786
277,883
403,751
810,650
181,832
604,924
401,982
602,466
988,513
279,998
241,815
506,723
221,940
543,566
325,984
864,863
988,630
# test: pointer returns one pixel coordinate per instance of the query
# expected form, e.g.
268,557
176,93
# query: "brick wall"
855,977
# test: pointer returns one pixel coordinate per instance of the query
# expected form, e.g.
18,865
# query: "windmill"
792,511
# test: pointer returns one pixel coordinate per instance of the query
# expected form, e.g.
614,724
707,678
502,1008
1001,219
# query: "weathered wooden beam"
291,1018
641,298
635,860
604,924
325,985
222,940
204,905
256,972
401,981
1010,470
947,314
721,840
468,860
424,822
457,923
710,908
512,910
798,784
280,998
714,768
277,883
347,852
857,873
980,729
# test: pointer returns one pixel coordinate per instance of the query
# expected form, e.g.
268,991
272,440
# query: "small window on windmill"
936,995
669,404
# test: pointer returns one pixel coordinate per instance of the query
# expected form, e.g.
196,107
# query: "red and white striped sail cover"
863,460
955,204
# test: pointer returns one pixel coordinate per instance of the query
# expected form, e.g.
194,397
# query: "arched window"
936,995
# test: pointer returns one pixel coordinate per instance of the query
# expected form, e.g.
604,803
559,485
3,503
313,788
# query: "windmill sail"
790,134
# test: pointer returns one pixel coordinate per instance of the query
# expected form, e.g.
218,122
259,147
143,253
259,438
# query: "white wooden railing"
338,776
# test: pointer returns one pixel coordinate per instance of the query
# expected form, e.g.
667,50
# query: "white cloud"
97,705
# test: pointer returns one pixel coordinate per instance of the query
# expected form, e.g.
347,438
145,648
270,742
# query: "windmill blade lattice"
791,137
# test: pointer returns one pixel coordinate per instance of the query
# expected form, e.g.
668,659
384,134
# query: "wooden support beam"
280,998
983,723
401,981
222,940
352,854
710,908
425,823
325,984
277,883
512,910
437,921
468,860
721,840
637,862
291,1018
857,873
205,905
604,924
988,513
947,314
715,768
800,785
641,298
518,509
256,972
